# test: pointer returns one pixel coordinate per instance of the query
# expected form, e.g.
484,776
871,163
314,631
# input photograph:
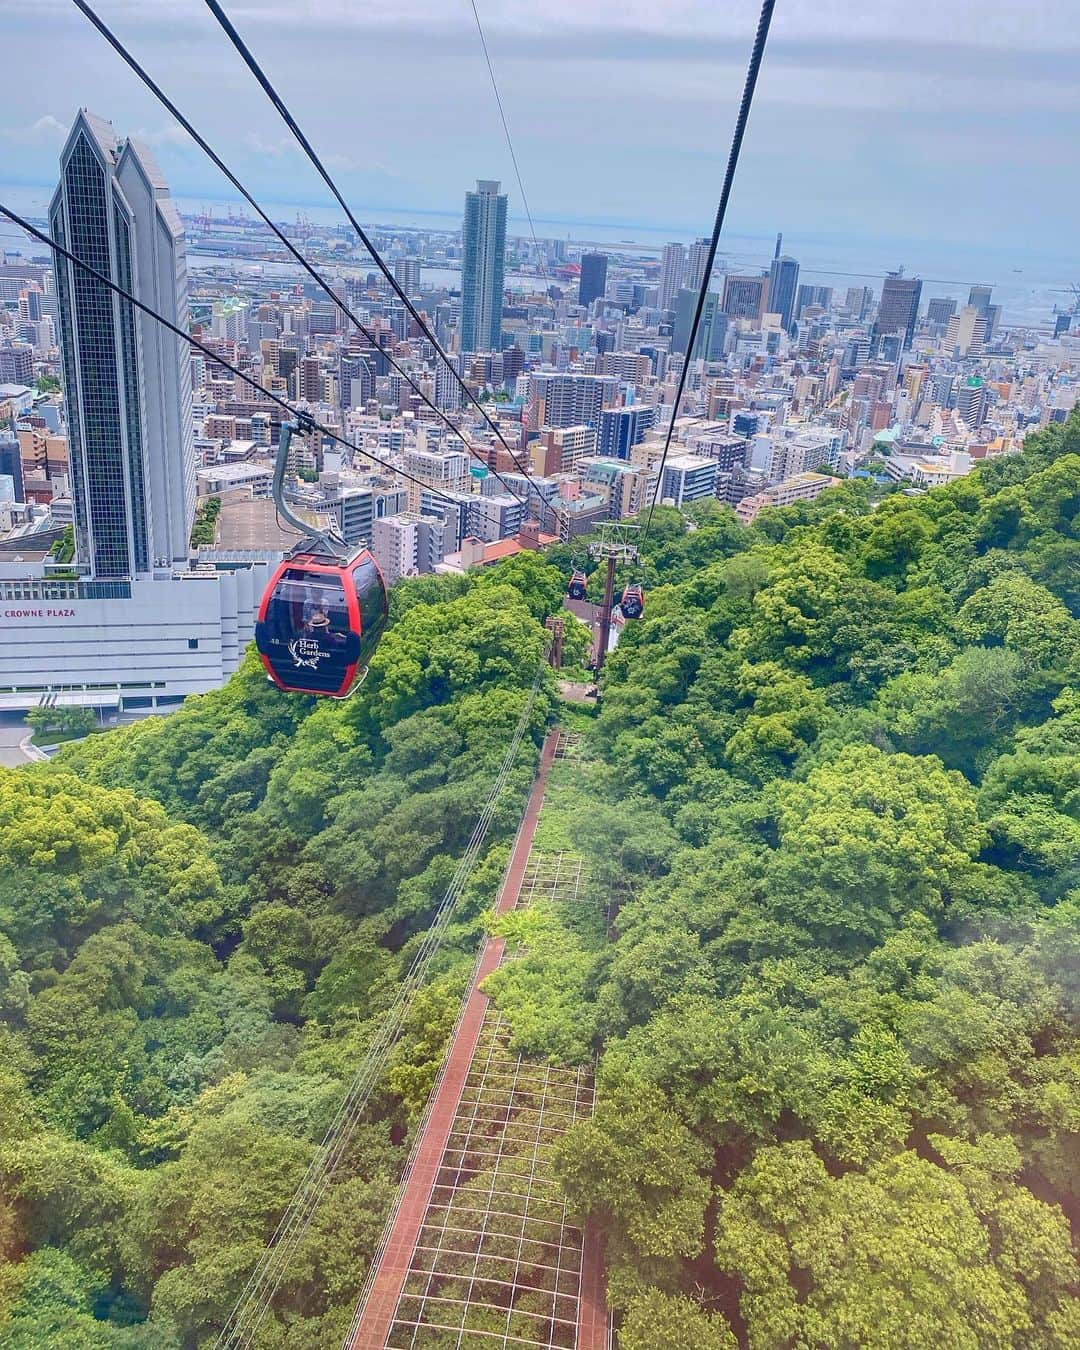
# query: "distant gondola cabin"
632,603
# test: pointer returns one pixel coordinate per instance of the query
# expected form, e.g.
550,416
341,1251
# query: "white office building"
688,478
122,643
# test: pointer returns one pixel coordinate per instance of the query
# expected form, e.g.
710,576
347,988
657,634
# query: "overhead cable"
275,98
167,103
754,67
509,139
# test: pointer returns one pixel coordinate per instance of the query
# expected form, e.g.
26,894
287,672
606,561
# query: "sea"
1027,282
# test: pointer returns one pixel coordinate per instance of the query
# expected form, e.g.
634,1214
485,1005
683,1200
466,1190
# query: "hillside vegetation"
836,778
834,792
201,920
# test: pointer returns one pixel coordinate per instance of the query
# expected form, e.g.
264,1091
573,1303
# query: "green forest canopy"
835,781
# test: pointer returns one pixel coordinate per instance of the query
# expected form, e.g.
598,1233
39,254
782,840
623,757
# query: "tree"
69,720
655,1318
638,1171
870,837
904,1255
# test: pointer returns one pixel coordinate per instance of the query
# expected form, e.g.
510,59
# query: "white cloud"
47,130
286,147
173,134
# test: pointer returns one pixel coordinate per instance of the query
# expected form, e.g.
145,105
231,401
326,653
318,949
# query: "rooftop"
247,524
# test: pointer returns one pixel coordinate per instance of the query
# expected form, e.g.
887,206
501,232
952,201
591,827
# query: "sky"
951,120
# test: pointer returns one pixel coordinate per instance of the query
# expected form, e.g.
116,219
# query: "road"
12,734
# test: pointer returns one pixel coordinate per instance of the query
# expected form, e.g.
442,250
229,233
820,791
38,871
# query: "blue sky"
955,120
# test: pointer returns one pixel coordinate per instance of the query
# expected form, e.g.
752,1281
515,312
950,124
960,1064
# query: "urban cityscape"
540,680
573,352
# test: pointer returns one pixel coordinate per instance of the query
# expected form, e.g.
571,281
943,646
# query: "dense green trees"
201,921
846,999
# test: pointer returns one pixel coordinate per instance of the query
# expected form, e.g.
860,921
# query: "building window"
193,644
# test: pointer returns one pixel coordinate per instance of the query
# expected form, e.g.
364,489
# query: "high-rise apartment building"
570,400
127,379
783,287
899,307
411,544
623,428
972,401
407,275
483,266
697,255
711,332
448,395
672,274
17,364
443,470
593,277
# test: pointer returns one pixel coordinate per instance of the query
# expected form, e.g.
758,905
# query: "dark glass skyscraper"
783,287
482,269
127,381
899,307
593,277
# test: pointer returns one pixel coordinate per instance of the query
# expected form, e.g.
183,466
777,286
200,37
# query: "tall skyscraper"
783,287
697,256
672,274
483,265
967,332
593,277
858,302
899,307
808,296
127,380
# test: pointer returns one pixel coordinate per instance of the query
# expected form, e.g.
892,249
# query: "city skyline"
823,104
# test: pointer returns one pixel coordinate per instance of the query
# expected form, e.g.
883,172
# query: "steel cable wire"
167,103
756,54
275,98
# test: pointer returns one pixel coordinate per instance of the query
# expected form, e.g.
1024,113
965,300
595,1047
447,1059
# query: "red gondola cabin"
576,589
632,603
320,620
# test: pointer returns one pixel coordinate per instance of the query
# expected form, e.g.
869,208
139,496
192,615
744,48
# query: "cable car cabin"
320,621
632,603
576,589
